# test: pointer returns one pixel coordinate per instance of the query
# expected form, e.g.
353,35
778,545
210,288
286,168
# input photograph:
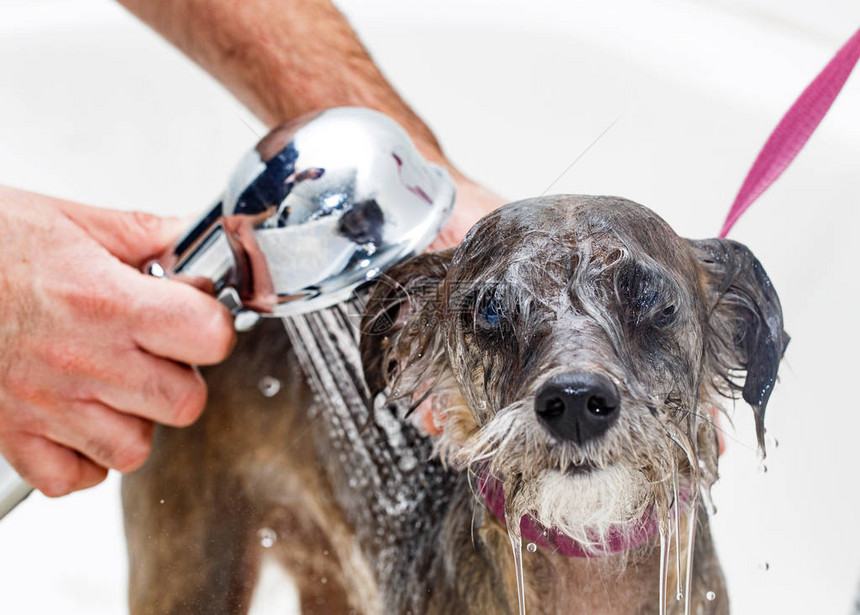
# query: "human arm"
79,389
283,59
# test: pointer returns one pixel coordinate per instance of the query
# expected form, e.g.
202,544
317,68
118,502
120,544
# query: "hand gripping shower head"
319,207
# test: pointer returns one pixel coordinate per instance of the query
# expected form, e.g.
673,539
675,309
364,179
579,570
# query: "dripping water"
679,595
512,522
691,543
664,568
513,517
687,447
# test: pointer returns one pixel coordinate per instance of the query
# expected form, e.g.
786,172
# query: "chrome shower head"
319,207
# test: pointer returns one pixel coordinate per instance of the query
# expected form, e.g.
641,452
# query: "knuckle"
124,446
25,391
132,454
220,335
145,221
86,475
142,229
66,359
22,416
31,422
24,382
88,300
55,486
53,474
190,405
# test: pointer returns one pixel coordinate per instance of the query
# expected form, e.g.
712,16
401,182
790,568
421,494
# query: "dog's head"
573,348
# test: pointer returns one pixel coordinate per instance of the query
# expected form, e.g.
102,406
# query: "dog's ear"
400,319
745,320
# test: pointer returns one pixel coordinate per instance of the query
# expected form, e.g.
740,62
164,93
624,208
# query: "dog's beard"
576,490
585,506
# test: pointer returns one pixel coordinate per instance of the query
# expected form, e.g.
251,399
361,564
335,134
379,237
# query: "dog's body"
568,352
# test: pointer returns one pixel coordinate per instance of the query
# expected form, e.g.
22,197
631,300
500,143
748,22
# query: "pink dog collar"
620,538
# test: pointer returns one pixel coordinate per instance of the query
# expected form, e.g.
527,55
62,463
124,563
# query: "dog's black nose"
578,406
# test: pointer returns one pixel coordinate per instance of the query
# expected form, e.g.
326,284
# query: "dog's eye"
489,313
666,316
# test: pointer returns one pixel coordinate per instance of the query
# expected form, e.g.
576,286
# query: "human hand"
92,352
472,203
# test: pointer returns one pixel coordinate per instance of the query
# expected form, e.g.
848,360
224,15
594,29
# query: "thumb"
131,236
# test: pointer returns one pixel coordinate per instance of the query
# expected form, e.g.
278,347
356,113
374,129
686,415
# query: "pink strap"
792,133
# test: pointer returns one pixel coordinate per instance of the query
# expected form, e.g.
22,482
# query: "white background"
95,108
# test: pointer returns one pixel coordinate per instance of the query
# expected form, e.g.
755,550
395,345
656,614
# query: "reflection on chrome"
320,206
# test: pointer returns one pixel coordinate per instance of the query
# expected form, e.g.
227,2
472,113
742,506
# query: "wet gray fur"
581,283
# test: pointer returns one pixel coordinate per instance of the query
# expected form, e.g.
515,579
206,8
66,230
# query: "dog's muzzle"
577,407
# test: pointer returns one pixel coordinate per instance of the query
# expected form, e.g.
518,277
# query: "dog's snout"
577,406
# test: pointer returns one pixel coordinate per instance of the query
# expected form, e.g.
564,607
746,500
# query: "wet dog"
553,376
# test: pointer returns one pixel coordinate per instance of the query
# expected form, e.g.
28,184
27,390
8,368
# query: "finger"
109,438
131,236
51,468
178,322
155,389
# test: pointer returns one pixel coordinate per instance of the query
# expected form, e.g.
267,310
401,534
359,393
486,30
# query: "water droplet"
353,483
772,442
323,580
763,468
482,405
764,566
269,386
267,537
407,464
364,262
531,547
679,596
161,501
711,596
